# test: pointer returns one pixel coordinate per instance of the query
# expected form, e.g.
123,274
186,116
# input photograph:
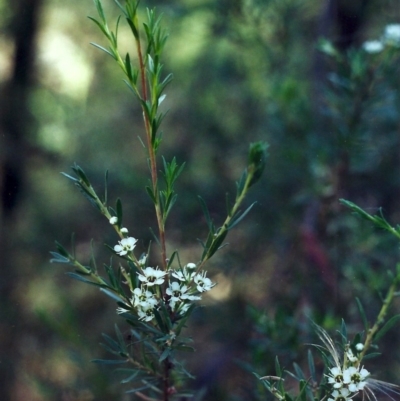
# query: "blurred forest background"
244,70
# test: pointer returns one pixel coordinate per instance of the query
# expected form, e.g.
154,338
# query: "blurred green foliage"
244,70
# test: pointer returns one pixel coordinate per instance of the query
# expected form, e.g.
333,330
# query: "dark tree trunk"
16,124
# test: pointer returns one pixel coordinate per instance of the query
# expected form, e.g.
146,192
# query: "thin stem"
381,316
152,156
231,215
167,368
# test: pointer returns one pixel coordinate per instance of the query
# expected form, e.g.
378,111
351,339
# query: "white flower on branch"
125,245
152,276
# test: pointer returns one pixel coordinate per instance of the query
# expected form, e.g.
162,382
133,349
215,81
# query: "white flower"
124,230
113,220
359,347
122,310
152,276
125,245
336,377
142,260
341,395
355,379
392,35
373,46
146,313
351,357
176,292
202,282
143,298
191,266
183,275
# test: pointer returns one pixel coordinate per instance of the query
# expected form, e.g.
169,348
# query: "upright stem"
166,390
152,156
381,316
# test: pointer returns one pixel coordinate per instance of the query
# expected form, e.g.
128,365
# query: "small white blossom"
146,313
113,220
143,298
373,46
152,276
359,347
125,245
142,260
124,230
392,35
340,395
183,275
176,292
122,310
202,282
336,377
191,266
355,379
351,357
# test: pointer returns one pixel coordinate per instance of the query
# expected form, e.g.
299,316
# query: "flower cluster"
347,378
184,286
390,37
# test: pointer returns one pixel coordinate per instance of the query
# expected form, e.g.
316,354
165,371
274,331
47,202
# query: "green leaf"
257,159
131,377
104,50
151,194
106,188
81,174
389,324
299,373
185,348
121,340
278,367
372,355
57,258
79,277
112,295
165,354
206,214
238,219
311,366
119,212
109,361
70,177
343,332
362,314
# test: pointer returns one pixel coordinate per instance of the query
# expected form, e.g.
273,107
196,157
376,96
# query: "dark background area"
243,71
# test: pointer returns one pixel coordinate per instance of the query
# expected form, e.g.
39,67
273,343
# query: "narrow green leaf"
389,324
299,373
69,177
206,214
237,220
362,314
119,212
311,366
165,354
103,49
278,370
79,277
372,355
112,295
343,332
109,361
151,195
131,377
121,340
57,258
